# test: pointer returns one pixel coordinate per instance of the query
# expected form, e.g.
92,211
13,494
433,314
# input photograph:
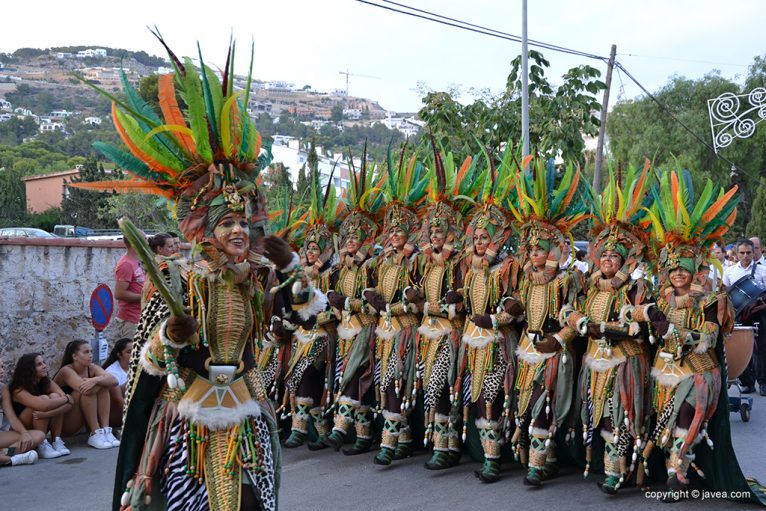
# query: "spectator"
715,274
39,403
129,280
580,262
731,256
163,244
88,384
176,242
758,251
117,365
17,443
752,314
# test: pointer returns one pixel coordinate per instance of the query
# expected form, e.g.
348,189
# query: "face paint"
312,253
480,242
437,237
233,233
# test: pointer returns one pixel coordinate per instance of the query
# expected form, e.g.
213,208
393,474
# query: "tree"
302,184
149,212
277,182
15,130
13,198
559,116
336,113
757,224
149,90
81,207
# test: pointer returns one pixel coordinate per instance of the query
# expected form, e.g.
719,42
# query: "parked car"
25,232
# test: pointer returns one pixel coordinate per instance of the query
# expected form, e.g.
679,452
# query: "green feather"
125,160
212,112
244,148
148,147
196,112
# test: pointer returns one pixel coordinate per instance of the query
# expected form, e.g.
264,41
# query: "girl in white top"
116,364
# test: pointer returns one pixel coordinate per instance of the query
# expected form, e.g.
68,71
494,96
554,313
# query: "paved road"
328,480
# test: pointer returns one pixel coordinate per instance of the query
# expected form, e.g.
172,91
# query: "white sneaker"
46,451
26,458
98,440
110,437
58,445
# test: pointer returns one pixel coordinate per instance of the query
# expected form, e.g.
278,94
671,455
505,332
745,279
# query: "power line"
670,113
683,60
471,27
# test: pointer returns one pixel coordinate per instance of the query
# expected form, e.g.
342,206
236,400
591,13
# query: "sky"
309,42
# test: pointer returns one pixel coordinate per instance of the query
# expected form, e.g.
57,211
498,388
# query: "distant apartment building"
47,127
64,55
5,105
91,52
93,121
61,114
408,126
353,114
293,157
47,191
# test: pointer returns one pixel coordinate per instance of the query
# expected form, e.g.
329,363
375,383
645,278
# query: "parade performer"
614,378
687,370
309,375
485,360
438,336
353,370
394,299
544,376
199,432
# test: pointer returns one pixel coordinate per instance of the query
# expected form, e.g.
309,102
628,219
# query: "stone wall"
44,302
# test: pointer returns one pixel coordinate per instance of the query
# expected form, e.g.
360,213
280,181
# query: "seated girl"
88,385
39,403
116,364
17,443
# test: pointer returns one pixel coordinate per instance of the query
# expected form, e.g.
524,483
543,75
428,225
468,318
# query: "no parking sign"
101,306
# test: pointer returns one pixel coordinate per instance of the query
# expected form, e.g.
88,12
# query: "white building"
162,70
293,157
64,55
51,126
93,121
353,114
5,105
61,114
408,126
91,52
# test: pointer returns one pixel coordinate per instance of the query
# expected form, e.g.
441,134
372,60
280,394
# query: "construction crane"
347,73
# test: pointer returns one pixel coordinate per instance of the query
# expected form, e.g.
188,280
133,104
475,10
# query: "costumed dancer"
485,361
545,362
690,406
396,301
614,378
438,337
309,375
353,370
199,431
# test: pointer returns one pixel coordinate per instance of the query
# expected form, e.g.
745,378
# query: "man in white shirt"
758,251
751,315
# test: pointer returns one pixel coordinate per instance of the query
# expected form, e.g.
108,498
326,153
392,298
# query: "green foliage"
149,90
757,224
149,212
15,130
559,117
13,198
46,220
82,207
36,99
336,114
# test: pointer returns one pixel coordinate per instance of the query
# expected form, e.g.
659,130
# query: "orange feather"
571,192
172,113
718,205
122,186
153,164
461,173
674,188
634,201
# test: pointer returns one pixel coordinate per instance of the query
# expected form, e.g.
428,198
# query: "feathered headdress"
363,206
545,214
684,228
404,188
320,223
450,197
620,220
494,185
206,156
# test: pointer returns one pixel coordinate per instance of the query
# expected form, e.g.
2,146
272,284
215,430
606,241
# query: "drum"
743,293
739,349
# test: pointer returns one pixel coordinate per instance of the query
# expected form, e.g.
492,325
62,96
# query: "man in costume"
199,431
486,353
544,376
353,370
393,299
309,374
614,377
438,337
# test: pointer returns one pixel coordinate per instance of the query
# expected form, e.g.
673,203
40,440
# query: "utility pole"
524,81
602,124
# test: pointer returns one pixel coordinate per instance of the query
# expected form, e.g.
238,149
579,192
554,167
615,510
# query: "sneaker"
58,445
111,438
762,389
26,458
46,451
98,440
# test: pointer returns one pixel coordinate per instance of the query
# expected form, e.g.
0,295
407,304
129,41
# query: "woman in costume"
395,300
353,370
614,378
486,353
309,375
687,372
545,361
438,337
199,431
